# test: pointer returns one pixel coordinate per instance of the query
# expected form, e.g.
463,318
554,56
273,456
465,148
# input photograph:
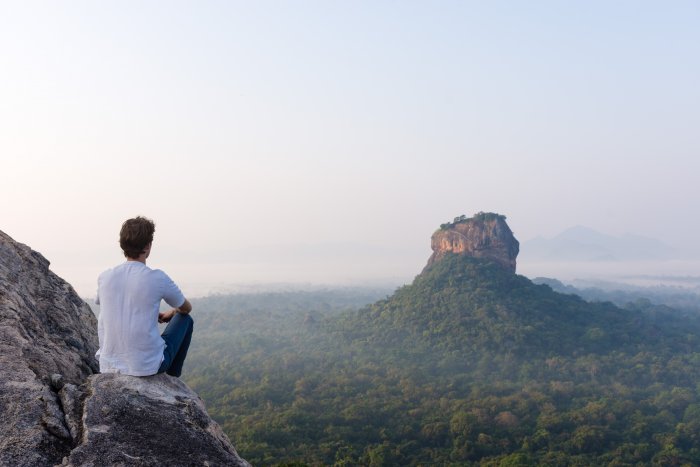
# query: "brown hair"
135,236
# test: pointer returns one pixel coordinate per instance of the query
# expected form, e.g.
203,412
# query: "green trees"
469,365
480,217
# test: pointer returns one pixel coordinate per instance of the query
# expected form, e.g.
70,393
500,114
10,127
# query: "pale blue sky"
246,128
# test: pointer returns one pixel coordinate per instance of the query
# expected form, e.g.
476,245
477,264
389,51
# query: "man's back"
129,296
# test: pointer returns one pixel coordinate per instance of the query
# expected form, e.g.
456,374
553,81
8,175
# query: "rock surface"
148,421
55,410
485,235
45,329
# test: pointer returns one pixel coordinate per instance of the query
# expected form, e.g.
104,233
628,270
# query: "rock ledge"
148,421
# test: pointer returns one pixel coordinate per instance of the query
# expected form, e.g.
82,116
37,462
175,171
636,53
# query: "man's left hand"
165,316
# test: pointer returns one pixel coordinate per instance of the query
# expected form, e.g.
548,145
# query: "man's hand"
165,316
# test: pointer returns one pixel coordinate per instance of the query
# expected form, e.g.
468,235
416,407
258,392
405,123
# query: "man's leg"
177,336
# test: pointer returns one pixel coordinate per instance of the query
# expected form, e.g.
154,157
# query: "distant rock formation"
53,407
485,235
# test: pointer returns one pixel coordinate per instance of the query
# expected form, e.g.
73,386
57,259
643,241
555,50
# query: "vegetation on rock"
478,217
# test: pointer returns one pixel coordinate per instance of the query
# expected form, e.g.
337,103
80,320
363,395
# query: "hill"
471,305
471,364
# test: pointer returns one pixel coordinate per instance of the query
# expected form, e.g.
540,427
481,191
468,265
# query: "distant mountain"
468,299
471,364
584,244
681,299
470,305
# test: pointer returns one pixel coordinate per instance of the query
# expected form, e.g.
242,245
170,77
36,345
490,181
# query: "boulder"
147,421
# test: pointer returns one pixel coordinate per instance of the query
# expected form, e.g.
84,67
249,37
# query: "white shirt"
129,296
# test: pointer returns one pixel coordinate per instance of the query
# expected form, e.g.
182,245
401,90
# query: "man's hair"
135,236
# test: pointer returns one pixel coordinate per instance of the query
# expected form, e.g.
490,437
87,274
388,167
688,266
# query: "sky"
324,141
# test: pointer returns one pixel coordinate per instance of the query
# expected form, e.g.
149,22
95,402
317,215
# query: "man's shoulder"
154,274
106,273
113,269
134,267
160,275
127,267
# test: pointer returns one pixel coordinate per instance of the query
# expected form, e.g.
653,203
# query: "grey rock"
148,421
57,382
39,314
71,398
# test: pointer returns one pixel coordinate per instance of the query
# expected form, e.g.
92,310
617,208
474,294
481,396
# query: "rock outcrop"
45,329
148,421
55,409
485,235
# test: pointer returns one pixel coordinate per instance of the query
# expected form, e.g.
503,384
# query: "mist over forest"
465,366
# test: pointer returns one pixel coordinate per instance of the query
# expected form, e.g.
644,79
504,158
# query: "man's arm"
185,308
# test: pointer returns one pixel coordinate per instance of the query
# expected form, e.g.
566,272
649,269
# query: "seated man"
129,296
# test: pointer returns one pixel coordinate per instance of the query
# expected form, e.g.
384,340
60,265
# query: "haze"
324,142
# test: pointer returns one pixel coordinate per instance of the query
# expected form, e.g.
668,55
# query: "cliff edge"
484,235
55,408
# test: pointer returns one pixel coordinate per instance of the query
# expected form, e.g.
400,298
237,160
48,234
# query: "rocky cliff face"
56,410
45,329
485,235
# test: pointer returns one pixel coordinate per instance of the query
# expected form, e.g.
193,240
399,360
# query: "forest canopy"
468,365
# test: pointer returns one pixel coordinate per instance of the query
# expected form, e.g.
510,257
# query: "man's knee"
187,320
184,317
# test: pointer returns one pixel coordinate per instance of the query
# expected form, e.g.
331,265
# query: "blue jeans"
177,336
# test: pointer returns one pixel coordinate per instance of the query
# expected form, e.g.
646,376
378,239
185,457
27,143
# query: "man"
129,296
